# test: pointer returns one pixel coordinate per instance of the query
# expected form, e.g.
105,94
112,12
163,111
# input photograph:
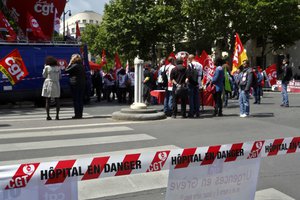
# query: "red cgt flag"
239,54
13,67
197,58
172,54
118,64
103,60
271,72
94,66
78,34
6,25
34,27
208,67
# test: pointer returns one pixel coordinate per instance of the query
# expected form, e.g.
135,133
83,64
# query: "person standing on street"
51,86
287,74
168,100
245,85
77,81
218,81
97,83
194,71
257,90
180,90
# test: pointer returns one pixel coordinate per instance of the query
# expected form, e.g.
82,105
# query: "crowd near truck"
33,55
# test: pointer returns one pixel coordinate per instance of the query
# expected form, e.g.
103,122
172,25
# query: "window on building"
81,29
91,21
84,21
97,22
73,30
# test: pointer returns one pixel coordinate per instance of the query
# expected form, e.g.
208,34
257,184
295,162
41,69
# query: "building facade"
84,18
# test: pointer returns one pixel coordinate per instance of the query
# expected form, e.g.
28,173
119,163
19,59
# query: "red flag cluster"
208,67
271,72
4,24
34,27
78,34
13,67
42,14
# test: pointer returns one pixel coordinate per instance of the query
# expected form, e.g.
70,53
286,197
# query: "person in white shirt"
194,73
168,101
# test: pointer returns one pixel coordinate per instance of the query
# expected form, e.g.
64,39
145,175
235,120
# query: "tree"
210,21
135,27
276,23
89,36
271,21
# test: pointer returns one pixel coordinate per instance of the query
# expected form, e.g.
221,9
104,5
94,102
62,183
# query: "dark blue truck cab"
29,89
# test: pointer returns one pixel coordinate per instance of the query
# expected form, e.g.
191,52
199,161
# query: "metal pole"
64,26
141,75
136,81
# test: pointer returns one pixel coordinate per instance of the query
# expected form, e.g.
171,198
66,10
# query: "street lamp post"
64,22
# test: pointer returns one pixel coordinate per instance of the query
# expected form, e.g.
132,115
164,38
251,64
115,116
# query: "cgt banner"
219,181
62,191
58,172
13,67
41,10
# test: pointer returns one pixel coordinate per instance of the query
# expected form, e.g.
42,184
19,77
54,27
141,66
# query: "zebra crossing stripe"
73,142
65,132
68,126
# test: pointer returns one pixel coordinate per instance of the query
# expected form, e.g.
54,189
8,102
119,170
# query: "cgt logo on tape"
22,176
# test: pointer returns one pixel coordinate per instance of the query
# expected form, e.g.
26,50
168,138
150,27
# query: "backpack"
193,73
164,78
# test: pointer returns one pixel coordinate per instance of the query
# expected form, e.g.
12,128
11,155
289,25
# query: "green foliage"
134,27
137,27
277,22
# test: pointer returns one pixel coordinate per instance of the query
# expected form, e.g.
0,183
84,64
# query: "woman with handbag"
51,86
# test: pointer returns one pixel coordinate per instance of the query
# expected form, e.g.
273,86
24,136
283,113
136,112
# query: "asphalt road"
268,121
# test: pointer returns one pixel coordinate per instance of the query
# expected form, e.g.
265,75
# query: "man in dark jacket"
245,85
180,91
287,74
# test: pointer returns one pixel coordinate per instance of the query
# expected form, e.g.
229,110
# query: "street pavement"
26,136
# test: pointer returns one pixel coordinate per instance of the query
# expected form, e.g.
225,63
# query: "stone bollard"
138,111
138,85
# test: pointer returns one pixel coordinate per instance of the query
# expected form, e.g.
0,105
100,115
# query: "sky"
77,6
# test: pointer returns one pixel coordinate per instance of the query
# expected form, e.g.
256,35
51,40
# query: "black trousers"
78,96
218,101
183,99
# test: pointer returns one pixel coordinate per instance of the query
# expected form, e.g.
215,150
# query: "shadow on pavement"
262,115
4,125
267,103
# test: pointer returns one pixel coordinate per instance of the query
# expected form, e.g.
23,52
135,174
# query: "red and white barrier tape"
24,175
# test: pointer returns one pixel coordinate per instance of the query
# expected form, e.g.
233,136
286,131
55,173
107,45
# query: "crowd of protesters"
113,85
181,80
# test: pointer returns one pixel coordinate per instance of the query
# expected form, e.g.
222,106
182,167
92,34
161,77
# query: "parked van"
33,54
